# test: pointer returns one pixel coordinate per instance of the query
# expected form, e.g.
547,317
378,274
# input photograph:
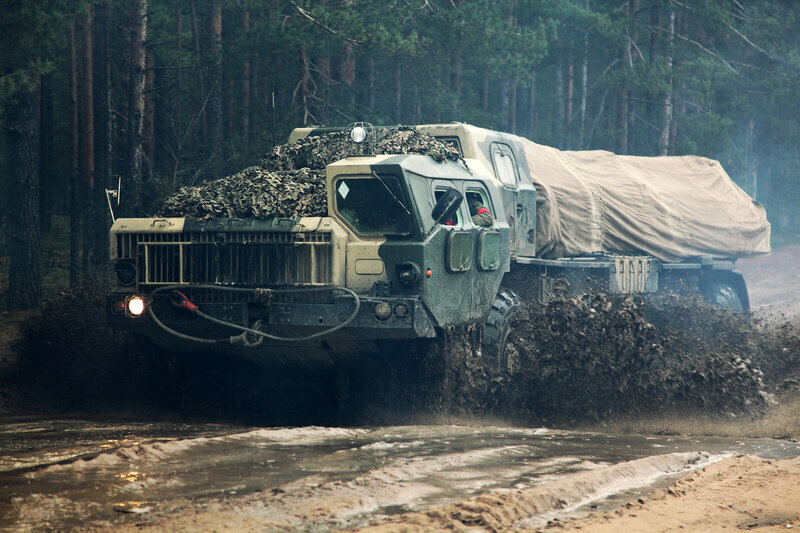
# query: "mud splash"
577,361
68,360
596,358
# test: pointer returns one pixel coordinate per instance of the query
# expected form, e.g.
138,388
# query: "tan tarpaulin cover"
670,207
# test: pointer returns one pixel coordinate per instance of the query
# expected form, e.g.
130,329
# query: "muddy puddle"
65,474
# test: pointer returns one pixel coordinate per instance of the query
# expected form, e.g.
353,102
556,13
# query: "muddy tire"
728,292
495,333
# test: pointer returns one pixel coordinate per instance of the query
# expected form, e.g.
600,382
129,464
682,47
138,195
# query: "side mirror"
446,206
114,193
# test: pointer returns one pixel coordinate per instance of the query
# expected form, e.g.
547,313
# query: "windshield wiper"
396,199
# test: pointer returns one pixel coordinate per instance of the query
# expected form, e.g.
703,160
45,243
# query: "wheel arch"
731,278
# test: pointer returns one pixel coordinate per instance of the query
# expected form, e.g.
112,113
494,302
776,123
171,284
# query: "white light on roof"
358,134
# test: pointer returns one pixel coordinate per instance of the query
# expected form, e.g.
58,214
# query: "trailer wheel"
728,292
497,328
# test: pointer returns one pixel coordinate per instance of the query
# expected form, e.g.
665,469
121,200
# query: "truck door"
526,217
519,200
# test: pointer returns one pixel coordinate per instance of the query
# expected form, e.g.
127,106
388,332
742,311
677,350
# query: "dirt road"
178,477
744,492
463,476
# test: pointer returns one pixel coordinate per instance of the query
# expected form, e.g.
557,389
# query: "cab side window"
505,166
456,220
480,207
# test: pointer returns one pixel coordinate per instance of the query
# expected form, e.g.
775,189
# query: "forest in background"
163,93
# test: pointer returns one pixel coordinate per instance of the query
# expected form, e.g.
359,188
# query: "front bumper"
283,319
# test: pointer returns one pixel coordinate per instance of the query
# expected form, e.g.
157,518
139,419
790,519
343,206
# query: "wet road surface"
67,474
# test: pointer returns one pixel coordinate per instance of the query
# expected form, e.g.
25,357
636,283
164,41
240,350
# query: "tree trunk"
215,78
532,105
102,129
246,79
560,104
418,105
255,96
436,108
655,24
136,107
178,98
74,182
148,119
624,115
304,78
46,177
24,277
666,125
485,92
457,83
371,84
749,157
86,87
230,107
634,55
350,75
584,88
398,93
512,109
324,89
678,110
569,92
201,75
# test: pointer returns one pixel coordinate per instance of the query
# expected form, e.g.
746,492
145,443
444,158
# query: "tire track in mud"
533,506
365,503
402,475
325,479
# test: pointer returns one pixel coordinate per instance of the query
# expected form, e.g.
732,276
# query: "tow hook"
245,338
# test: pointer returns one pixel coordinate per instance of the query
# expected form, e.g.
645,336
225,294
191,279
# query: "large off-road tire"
495,333
727,291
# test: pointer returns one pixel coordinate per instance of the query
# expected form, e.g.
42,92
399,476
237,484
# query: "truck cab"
377,267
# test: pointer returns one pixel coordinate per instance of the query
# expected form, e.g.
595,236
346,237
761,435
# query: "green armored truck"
409,245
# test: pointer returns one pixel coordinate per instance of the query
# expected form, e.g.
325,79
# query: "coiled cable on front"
179,300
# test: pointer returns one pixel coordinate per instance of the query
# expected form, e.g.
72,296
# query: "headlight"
383,310
134,306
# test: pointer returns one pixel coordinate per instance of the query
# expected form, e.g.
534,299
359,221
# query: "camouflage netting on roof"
290,180
253,192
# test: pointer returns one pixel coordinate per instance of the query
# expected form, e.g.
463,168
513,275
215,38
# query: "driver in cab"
481,216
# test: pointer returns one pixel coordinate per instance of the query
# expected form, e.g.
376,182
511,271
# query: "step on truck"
403,253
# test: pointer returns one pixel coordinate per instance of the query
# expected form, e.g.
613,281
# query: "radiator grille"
241,259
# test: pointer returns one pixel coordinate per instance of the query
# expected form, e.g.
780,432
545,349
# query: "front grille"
241,259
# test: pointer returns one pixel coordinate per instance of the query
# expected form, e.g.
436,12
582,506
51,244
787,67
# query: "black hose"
225,323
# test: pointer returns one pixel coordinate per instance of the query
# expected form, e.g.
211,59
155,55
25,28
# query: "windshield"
373,205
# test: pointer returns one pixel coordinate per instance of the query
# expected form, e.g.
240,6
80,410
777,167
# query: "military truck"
399,257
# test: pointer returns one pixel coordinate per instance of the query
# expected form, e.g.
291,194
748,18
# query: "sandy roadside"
739,493
742,492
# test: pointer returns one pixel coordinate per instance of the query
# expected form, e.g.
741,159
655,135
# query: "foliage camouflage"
290,180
